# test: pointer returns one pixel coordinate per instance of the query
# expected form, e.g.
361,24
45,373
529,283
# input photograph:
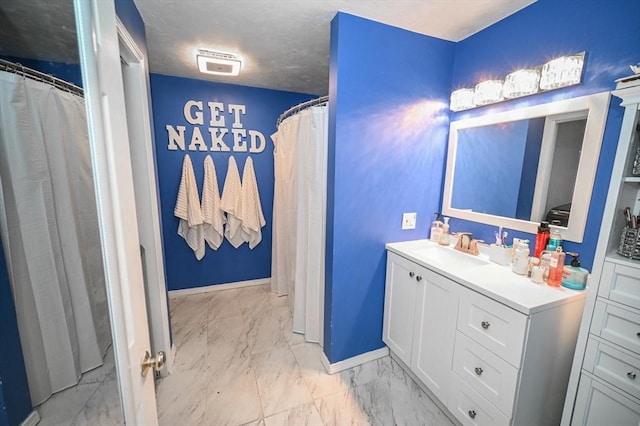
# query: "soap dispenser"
436,229
574,276
444,233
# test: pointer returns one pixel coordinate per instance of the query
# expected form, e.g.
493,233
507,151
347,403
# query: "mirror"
517,168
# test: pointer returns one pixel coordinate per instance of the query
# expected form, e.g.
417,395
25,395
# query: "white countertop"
479,274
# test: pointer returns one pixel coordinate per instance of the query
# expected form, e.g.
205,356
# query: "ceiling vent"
218,63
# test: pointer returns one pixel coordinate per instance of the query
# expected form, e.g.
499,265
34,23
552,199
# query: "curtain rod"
296,109
20,69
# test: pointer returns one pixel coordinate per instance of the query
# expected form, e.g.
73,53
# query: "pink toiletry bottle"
556,268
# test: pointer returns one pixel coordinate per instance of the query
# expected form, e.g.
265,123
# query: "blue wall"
263,108
15,402
608,32
388,125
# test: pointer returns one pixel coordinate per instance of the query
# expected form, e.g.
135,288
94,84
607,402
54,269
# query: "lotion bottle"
521,258
436,229
574,276
444,233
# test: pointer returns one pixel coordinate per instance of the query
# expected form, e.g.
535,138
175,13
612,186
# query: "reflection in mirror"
508,180
520,167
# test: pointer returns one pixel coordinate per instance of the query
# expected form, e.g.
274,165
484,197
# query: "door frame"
136,91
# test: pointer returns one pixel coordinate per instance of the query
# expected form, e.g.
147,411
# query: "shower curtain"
299,215
49,229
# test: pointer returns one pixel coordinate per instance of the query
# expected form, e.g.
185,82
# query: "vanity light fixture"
488,92
218,63
521,83
562,72
462,99
559,72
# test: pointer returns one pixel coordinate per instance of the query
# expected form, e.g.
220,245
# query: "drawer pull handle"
631,375
472,414
412,274
419,278
485,324
478,370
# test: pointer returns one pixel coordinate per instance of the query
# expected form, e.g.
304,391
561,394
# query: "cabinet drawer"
470,408
620,283
597,404
491,376
613,366
495,326
617,325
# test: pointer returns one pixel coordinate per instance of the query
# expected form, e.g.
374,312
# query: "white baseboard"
32,419
218,287
348,363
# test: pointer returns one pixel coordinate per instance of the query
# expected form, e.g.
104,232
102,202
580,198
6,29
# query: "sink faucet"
467,244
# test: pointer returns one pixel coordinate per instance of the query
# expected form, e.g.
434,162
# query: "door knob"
472,414
478,370
412,274
157,362
485,324
419,278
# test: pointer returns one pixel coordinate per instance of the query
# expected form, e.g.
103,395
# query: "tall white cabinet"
604,386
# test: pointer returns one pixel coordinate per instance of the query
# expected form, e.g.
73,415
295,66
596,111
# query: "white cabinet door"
399,306
435,330
597,404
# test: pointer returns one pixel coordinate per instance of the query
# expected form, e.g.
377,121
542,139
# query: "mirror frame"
593,107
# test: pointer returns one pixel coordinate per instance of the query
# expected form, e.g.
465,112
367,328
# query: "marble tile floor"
238,363
93,401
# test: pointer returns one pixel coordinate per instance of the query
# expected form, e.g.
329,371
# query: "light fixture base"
218,63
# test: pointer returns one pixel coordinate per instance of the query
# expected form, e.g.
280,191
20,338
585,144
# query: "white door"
109,142
399,305
435,330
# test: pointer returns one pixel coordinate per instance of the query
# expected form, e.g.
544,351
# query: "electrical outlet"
409,220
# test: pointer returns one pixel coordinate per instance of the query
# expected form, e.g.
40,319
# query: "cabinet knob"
638,334
631,375
478,370
419,278
412,274
472,414
485,324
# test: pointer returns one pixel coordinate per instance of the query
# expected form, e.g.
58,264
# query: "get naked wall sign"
216,135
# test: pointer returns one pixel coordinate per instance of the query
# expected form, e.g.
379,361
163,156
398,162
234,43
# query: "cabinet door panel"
491,376
495,326
620,326
620,283
435,328
470,408
597,405
399,306
614,366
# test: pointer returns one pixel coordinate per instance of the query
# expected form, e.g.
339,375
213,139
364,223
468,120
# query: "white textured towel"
252,217
188,210
231,204
212,214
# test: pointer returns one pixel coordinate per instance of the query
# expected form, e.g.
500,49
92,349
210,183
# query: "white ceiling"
285,42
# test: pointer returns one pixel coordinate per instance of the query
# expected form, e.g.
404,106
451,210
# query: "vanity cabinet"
420,309
604,387
486,361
